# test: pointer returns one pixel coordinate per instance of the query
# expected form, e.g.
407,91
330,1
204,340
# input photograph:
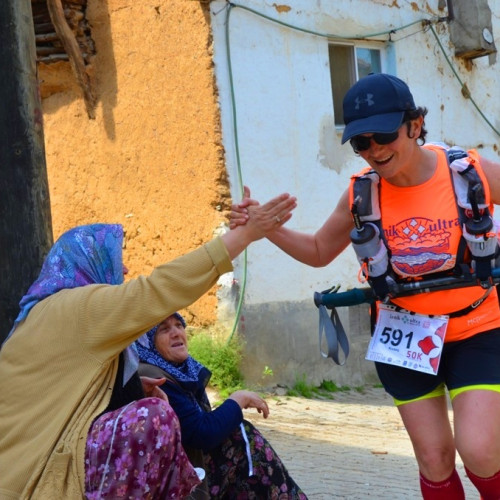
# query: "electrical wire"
317,33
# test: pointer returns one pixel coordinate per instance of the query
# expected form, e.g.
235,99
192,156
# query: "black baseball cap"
375,104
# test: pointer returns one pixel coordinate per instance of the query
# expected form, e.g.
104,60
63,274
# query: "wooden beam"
75,56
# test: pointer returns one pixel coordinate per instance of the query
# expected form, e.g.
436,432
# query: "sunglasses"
362,143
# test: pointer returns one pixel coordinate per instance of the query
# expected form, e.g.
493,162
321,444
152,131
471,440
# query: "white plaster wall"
284,113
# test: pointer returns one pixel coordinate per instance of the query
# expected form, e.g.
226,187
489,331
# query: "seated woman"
239,462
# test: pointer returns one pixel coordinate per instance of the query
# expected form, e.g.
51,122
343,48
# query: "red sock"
489,487
449,489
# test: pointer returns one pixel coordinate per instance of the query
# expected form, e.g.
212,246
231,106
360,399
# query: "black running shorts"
470,362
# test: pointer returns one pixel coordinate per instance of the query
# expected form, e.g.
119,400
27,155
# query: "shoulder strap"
457,159
466,173
472,194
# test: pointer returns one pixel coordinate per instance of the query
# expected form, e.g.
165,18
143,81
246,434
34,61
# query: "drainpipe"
25,220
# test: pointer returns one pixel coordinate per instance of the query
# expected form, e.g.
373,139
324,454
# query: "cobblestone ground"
352,447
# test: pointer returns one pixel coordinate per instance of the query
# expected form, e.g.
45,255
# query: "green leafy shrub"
221,358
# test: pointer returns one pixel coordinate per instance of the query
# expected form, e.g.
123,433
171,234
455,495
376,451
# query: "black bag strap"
333,330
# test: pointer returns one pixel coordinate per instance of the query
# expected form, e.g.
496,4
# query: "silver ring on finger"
277,219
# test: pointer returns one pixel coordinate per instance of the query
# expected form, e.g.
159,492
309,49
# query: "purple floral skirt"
135,452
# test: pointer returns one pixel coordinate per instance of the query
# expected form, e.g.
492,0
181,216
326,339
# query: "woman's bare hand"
261,221
151,387
249,399
239,211
268,217
273,214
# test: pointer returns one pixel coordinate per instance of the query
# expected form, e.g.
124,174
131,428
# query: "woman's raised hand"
257,221
239,211
267,217
273,214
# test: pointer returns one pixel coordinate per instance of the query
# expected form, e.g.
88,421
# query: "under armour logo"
367,100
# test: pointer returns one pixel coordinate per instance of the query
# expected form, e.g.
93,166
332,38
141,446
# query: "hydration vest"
478,246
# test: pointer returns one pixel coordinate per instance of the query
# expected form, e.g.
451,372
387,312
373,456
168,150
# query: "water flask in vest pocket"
370,250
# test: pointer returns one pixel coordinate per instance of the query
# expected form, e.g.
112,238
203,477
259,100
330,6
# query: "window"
349,63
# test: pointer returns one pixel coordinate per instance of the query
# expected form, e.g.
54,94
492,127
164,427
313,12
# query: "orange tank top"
422,229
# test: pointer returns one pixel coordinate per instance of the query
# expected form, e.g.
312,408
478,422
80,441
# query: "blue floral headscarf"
82,256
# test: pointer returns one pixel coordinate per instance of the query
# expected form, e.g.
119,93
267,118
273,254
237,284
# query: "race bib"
408,340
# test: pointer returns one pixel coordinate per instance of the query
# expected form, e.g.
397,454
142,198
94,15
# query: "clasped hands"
268,217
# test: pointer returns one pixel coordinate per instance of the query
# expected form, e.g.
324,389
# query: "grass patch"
221,358
329,386
325,390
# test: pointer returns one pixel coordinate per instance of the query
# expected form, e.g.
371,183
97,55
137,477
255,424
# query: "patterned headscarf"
190,374
82,256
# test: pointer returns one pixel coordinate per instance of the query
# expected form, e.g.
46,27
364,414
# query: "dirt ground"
351,447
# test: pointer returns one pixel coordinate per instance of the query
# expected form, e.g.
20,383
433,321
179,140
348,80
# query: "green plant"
221,358
329,386
301,388
325,390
